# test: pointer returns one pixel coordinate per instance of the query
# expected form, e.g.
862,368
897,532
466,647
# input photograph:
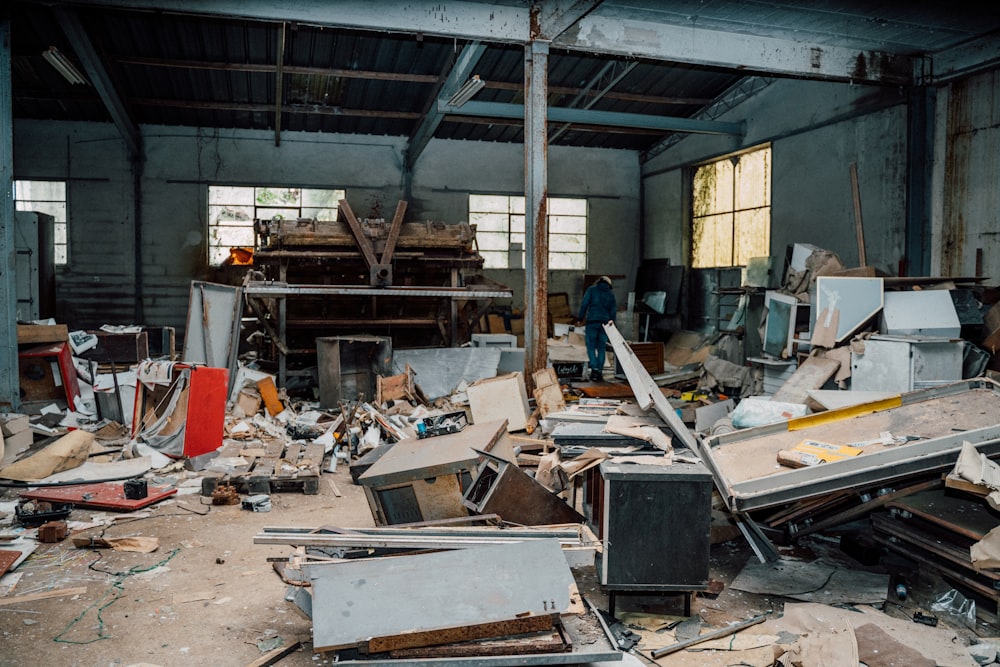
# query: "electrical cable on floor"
118,585
32,485
117,590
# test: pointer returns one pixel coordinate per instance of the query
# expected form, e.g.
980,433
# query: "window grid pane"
232,210
731,205
500,223
46,197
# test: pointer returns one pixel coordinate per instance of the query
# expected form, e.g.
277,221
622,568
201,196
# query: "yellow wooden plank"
850,412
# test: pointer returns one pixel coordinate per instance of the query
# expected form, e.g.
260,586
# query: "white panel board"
383,597
857,300
923,313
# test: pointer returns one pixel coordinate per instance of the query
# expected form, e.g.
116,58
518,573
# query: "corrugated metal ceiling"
183,69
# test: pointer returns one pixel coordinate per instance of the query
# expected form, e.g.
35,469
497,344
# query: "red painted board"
206,412
7,559
104,496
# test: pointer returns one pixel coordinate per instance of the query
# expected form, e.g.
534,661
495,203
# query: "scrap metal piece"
464,633
356,600
715,634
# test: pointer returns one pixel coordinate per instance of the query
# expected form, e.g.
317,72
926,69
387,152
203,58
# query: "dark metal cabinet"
654,522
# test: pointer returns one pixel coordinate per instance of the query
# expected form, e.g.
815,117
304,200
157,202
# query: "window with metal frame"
232,210
46,197
499,221
731,210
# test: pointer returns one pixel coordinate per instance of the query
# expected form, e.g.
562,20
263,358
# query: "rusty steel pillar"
536,236
9,382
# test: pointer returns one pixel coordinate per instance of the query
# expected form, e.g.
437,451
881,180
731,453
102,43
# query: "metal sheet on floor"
354,601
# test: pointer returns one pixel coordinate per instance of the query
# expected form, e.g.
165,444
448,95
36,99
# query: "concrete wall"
966,215
100,283
813,140
607,178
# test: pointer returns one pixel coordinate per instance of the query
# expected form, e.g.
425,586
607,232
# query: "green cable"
117,589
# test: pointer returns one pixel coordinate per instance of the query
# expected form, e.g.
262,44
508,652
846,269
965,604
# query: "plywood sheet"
106,495
356,600
811,374
412,459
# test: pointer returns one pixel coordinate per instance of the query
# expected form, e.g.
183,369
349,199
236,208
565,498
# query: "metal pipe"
715,634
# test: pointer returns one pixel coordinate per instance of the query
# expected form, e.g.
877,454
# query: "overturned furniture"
411,279
423,479
903,439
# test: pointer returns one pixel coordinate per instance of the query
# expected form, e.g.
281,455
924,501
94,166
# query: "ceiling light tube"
63,65
467,91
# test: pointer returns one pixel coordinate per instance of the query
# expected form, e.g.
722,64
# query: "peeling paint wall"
814,141
98,286
967,219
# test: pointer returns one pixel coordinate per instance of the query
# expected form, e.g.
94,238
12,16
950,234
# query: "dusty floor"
208,595
134,609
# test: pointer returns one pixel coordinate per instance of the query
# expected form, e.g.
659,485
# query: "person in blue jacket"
598,308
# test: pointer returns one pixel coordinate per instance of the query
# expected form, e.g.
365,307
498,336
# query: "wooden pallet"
270,468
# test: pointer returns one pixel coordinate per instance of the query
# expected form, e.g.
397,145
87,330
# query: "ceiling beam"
459,74
581,101
968,58
611,94
556,16
591,117
461,19
598,129
92,65
315,109
625,34
606,29
266,68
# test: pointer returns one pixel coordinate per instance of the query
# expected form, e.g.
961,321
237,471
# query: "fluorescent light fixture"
465,93
62,65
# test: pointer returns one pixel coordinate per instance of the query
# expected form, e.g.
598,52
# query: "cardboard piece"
813,452
69,451
548,393
501,397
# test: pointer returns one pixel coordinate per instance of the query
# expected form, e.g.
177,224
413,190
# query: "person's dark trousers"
597,340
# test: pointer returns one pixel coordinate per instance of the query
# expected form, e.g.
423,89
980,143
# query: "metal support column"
920,128
536,274
9,385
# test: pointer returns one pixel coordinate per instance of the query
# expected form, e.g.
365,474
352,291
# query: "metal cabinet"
902,364
654,522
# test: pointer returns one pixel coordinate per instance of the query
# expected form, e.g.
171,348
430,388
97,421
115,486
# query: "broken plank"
275,655
811,374
864,508
516,626
953,481
535,643
43,595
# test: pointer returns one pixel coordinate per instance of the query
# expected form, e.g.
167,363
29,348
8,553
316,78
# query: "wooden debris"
43,595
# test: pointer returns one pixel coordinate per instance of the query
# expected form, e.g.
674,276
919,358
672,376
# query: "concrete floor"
209,596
